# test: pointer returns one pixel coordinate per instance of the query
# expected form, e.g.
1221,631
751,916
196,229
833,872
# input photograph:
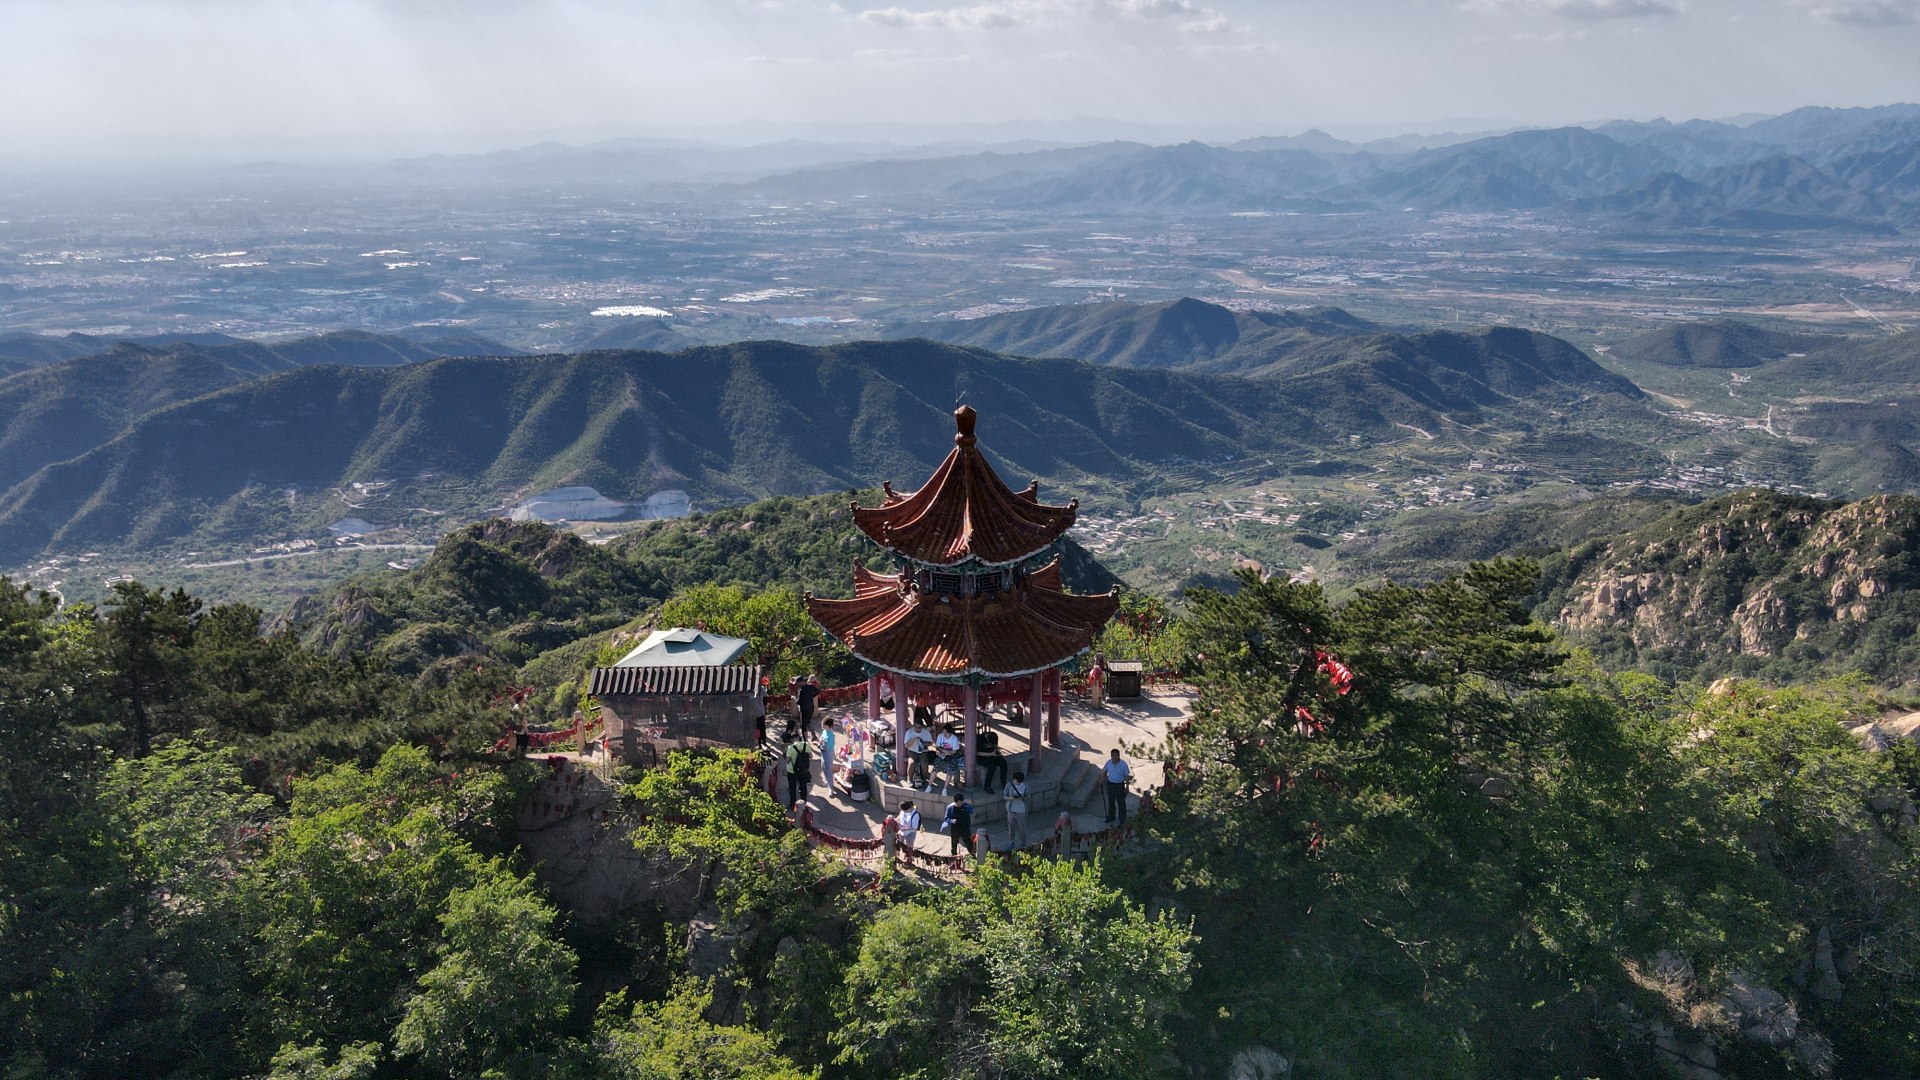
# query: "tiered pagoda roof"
966,609
965,512
1014,622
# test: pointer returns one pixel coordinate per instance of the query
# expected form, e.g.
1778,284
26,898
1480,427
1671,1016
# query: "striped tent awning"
645,681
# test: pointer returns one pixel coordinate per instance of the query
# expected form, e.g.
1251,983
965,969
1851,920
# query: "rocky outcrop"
1752,574
582,850
1259,1063
1697,1031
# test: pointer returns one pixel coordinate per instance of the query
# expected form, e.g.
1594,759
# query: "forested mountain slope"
62,408
725,423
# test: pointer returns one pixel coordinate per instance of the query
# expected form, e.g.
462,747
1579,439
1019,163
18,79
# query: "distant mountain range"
1455,369
1719,343
65,405
1812,168
630,332
140,447
728,423
1185,333
18,352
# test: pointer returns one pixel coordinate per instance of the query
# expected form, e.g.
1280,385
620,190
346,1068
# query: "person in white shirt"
908,819
919,752
1016,794
1117,774
947,743
946,752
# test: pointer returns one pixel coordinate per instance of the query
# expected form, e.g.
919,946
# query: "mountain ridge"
728,423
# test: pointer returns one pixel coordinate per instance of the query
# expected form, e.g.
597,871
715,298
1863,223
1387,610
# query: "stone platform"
1066,777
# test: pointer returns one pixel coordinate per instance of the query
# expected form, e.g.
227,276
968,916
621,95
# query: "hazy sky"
85,76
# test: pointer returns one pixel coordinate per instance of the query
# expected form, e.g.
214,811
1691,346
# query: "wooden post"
1035,736
901,765
971,700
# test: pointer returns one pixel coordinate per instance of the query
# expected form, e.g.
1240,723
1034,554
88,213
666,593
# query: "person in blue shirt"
958,825
1117,773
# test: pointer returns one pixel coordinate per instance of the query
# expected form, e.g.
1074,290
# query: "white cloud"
1218,24
1590,10
983,16
1867,12
1001,14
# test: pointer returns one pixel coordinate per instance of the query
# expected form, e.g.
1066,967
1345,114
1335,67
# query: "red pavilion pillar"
900,707
971,701
1036,698
1053,707
873,697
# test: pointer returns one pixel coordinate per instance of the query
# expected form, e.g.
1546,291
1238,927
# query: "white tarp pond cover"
586,504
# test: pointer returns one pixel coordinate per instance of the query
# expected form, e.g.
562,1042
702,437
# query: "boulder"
710,947
1763,1015
1259,1063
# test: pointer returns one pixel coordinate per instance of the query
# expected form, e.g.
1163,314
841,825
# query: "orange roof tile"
893,624
965,511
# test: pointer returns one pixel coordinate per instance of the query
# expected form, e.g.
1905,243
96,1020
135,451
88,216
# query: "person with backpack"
1016,793
799,769
908,822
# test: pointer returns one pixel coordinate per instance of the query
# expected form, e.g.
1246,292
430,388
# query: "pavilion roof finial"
963,418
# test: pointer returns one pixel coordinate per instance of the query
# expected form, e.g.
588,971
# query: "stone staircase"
1081,784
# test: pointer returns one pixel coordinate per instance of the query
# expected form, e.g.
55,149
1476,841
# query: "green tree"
673,1040
349,905
910,987
709,809
782,635
1146,629
1081,983
503,983
148,635
358,1061
1337,847
1044,972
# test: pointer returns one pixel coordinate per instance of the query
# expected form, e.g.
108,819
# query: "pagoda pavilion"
975,612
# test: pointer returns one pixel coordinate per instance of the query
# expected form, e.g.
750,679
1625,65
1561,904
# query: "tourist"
859,781
799,769
909,821
1117,774
946,753
808,693
827,759
919,752
993,763
1097,682
1017,812
958,825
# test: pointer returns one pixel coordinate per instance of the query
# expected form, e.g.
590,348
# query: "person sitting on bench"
992,762
918,761
947,755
